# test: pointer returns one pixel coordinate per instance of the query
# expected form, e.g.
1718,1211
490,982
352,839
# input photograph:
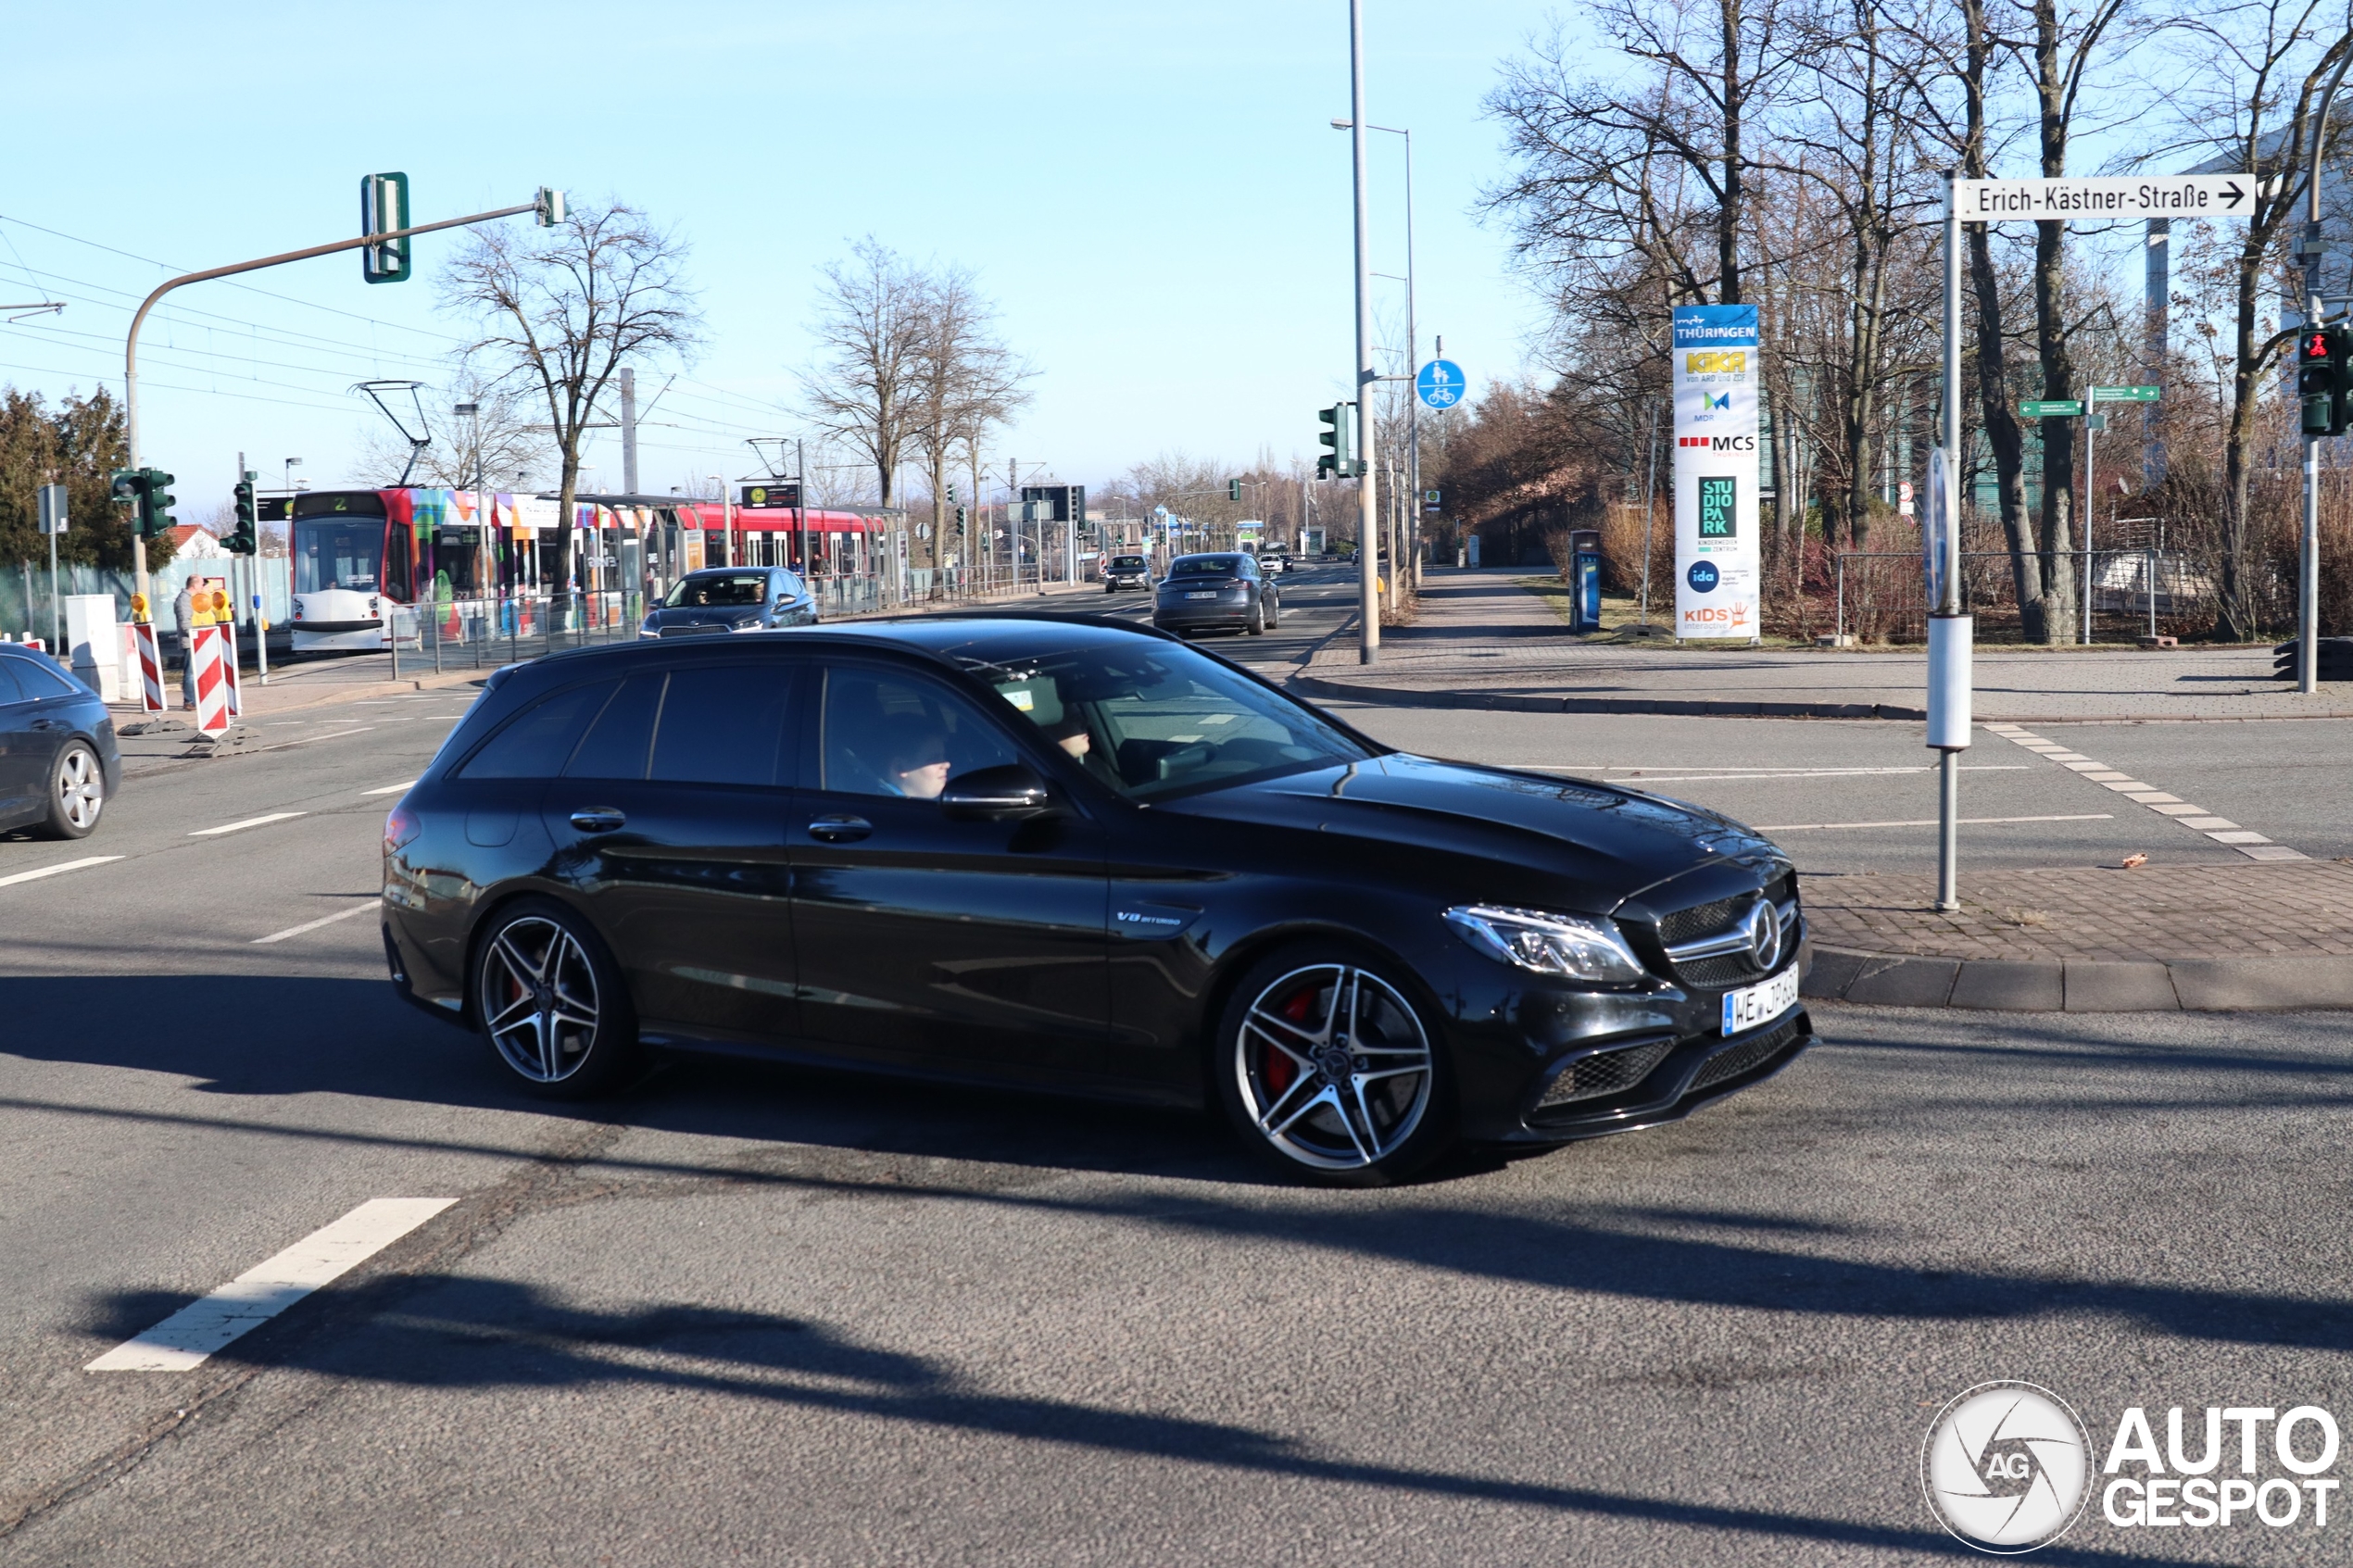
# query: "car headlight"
745,623
1575,946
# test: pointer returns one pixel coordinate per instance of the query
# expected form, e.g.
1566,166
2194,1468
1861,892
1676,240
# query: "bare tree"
561,311
484,450
965,382
873,320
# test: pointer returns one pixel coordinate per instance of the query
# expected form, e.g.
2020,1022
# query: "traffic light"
1337,462
951,493
127,487
243,541
383,207
155,505
2325,380
1233,490
959,520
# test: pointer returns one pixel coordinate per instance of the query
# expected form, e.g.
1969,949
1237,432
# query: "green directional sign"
2051,408
2123,395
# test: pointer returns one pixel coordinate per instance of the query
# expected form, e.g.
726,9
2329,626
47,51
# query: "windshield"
1127,563
741,588
1205,566
1158,719
338,552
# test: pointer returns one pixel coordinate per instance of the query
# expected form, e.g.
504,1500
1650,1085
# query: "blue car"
732,598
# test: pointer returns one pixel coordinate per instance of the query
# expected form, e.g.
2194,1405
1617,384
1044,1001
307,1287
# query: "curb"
1710,707
1910,980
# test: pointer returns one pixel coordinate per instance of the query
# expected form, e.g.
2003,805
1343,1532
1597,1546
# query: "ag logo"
1702,577
2006,1467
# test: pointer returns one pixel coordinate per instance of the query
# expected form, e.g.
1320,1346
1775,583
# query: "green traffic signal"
1233,490
1337,461
243,541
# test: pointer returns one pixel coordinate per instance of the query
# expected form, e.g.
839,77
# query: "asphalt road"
761,1314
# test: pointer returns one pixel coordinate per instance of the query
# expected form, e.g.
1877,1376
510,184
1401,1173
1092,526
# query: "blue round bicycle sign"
1441,383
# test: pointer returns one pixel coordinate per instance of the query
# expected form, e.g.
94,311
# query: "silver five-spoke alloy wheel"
82,790
539,999
1333,1066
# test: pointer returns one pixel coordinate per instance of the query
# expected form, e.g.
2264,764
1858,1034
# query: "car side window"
619,742
38,680
893,735
535,744
11,691
727,724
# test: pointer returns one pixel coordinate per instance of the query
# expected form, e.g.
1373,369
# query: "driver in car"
916,764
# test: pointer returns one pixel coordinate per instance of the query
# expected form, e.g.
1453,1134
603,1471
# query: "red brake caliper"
1280,1070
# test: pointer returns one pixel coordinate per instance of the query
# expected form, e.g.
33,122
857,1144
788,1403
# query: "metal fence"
1881,596
484,633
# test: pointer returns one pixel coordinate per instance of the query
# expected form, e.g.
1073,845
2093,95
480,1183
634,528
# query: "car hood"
1615,844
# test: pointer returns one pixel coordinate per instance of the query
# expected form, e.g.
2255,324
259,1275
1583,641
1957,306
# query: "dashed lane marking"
189,1336
2197,819
315,925
248,823
390,789
1930,821
52,870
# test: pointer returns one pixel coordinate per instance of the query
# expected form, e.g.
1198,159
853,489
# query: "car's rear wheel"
550,1000
1257,626
1326,1067
77,793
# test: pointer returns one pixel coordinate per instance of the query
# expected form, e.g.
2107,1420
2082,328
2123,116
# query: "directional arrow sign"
2169,195
2052,407
2123,395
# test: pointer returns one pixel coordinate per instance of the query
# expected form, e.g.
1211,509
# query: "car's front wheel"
77,794
550,1000
1326,1067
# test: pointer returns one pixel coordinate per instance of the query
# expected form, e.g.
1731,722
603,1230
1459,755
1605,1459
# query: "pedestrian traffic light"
2324,378
243,541
1337,462
126,486
1233,490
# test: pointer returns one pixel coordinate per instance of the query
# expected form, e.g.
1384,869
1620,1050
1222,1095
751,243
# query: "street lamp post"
2308,616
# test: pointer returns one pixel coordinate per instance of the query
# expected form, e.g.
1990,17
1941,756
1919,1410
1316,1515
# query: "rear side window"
40,679
9,690
725,724
618,741
535,744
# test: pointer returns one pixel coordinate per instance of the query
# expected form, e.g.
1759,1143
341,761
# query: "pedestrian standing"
183,614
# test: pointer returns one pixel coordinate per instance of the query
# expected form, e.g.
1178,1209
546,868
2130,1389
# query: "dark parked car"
59,764
1084,857
732,598
1222,592
1128,572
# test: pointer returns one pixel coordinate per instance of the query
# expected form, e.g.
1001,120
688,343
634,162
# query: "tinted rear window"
42,678
617,743
535,744
725,724
1206,566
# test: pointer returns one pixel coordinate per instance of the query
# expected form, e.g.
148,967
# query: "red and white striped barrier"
150,669
212,686
228,630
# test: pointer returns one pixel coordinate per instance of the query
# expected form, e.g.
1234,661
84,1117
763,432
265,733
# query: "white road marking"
189,1336
2196,818
1930,821
391,789
306,740
248,823
1633,772
313,925
60,866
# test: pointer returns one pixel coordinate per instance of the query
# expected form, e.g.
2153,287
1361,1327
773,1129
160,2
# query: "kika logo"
1717,362
1719,443
2006,1467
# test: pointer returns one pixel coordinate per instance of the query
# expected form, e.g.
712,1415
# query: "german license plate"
1753,1005
1208,596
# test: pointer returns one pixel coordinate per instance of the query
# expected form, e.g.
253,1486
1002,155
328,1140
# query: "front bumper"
1670,1078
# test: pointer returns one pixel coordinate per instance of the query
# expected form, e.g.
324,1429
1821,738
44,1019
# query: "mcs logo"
1718,443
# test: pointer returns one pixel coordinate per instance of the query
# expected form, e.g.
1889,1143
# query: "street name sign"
2074,197
2051,408
1441,383
2123,395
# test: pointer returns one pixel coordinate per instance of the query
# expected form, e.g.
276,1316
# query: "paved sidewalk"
2105,939
1483,641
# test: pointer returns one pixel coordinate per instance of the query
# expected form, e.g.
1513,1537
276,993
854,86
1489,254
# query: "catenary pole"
1367,511
1948,629
2308,566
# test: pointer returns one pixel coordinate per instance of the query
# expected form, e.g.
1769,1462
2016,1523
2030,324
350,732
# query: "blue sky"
1152,194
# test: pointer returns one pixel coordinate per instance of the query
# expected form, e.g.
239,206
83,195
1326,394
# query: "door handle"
839,830
598,818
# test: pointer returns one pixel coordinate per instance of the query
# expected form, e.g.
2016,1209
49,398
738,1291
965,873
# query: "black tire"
1281,1081
1257,624
550,1002
77,793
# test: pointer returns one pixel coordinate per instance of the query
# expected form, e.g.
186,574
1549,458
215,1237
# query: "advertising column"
1717,571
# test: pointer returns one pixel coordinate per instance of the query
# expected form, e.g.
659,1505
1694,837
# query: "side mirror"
999,794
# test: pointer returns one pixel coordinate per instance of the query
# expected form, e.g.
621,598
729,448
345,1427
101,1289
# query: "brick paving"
2301,909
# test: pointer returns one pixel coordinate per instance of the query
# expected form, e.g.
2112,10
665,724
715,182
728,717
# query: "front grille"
689,631
1605,1073
1745,1058
1724,970
1701,919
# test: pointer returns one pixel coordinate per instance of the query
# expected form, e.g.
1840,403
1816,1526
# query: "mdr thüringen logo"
2009,1467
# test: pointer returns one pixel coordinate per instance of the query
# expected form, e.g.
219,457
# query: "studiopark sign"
1716,569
